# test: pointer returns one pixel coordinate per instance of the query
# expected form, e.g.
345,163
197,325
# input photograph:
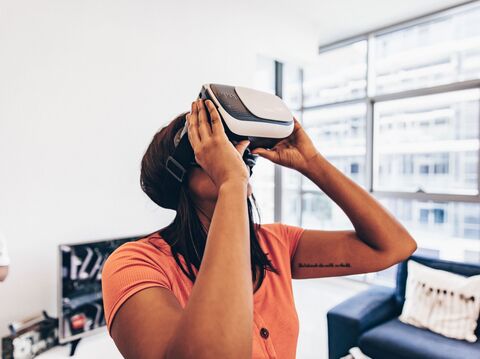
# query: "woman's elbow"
411,246
403,249
406,247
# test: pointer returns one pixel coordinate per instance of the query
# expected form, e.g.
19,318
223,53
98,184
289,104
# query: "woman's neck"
205,214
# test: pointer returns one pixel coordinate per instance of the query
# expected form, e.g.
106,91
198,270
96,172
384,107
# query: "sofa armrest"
349,319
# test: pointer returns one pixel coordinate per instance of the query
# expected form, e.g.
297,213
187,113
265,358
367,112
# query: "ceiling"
340,19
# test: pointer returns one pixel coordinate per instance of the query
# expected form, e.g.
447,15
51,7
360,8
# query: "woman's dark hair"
186,234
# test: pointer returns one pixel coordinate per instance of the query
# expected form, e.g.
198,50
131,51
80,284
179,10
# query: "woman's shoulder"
149,249
282,234
131,267
280,229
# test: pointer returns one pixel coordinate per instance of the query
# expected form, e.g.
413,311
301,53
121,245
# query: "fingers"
203,123
192,130
271,155
242,146
217,125
296,125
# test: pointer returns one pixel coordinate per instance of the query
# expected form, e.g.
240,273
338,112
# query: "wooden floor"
313,298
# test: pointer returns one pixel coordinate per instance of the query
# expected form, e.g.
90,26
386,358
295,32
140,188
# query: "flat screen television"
80,304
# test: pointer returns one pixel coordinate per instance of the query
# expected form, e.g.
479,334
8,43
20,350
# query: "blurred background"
388,91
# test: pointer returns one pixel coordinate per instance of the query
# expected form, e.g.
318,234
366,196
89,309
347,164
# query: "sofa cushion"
465,269
444,302
396,340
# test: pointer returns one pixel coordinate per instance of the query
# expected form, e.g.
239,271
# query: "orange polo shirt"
138,265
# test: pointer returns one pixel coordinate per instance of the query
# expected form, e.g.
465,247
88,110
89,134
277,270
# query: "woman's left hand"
294,151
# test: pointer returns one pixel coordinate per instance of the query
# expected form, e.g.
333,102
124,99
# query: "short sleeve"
129,269
292,235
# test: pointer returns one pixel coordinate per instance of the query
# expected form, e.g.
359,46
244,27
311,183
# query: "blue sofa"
369,320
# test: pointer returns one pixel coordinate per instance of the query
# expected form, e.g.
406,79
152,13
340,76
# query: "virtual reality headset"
247,114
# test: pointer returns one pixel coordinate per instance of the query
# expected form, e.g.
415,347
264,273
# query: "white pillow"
443,302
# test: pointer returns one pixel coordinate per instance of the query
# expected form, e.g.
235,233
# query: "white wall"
84,86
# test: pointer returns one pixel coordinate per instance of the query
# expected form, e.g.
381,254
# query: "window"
442,50
276,188
451,228
398,111
353,168
443,158
337,75
339,133
290,205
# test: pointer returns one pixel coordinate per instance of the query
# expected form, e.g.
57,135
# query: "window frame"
371,99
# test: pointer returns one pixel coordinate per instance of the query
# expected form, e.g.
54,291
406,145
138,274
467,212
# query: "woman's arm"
219,314
217,321
378,241
218,318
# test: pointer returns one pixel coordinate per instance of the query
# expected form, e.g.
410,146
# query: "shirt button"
264,333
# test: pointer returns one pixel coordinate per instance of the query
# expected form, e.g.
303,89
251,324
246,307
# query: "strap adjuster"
177,167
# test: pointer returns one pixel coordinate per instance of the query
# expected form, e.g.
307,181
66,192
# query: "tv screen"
80,305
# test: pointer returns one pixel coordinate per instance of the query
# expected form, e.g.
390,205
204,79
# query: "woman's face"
202,186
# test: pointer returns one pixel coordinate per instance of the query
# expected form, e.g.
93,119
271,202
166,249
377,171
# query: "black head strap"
178,164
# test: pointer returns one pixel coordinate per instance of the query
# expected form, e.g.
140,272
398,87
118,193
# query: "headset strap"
177,164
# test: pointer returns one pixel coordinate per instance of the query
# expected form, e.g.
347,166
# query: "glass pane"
441,51
291,207
320,212
336,75
292,86
339,133
298,115
428,143
448,230
291,200
291,179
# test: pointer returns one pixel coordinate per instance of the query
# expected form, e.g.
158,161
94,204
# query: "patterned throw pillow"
443,302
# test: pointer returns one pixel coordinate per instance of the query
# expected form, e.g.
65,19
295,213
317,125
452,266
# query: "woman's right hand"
213,150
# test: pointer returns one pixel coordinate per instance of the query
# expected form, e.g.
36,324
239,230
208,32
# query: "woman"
4,258
241,305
